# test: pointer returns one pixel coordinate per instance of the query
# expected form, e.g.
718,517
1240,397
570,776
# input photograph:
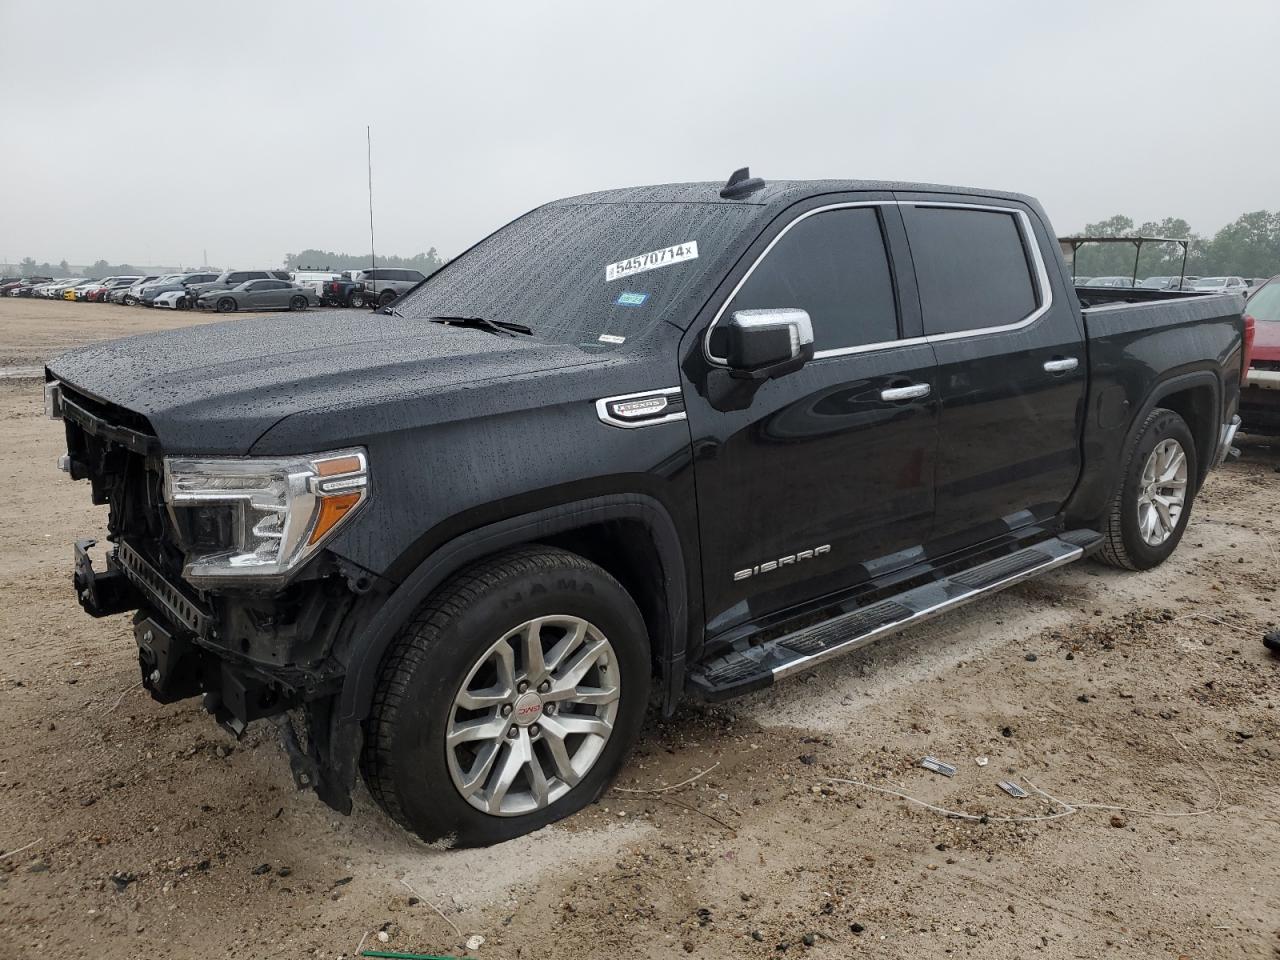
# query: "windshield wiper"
505,327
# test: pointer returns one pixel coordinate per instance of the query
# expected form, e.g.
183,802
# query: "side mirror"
763,344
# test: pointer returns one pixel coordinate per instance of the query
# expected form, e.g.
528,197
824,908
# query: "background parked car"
345,290
1110,282
129,295
269,294
1260,398
55,290
1159,283
228,279
24,287
112,284
384,284
173,282
179,299
1221,285
314,279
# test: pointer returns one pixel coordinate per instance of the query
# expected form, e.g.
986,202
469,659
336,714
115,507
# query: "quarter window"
834,266
971,266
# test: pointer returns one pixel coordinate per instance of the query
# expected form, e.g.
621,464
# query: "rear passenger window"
833,265
971,268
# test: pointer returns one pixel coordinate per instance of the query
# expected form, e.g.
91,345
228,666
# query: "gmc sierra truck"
680,440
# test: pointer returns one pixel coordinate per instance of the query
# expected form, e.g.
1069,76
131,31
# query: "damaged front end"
222,559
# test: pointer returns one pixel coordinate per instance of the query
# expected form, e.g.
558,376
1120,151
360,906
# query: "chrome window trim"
1026,232
602,409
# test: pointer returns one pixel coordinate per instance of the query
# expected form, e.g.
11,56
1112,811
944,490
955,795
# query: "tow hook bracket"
306,772
102,594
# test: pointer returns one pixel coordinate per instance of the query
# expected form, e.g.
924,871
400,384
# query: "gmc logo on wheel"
528,710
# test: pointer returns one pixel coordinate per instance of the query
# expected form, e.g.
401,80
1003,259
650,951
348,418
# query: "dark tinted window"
1265,303
280,274
240,276
834,266
971,268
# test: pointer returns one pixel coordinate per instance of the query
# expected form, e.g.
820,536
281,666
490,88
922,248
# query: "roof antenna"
740,184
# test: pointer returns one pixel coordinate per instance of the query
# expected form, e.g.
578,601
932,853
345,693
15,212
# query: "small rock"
475,942
38,865
809,939
88,801
383,936
260,869
1083,698
1006,731
757,936
856,927
122,879
1031,658
1070,655
1118,821
808,759
284,871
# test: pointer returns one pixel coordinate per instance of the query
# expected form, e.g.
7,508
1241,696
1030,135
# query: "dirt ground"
138,830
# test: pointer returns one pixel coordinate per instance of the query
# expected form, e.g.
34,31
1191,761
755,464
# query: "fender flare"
372,641
1176,384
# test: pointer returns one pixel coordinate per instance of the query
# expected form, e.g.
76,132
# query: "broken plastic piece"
937,766
1013,790
980,761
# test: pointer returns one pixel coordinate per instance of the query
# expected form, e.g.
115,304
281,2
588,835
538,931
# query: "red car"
1260,398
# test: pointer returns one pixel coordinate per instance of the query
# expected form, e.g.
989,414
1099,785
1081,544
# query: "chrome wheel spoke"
571,640
1163,493
571,675
474,778
569,723
486,728
534,667
553,737
517,752
590,696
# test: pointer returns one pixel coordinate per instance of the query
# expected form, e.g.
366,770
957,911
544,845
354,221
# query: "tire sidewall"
1165,425
423,785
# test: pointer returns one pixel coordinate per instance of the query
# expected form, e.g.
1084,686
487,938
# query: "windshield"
584,273
1212,282
1265,304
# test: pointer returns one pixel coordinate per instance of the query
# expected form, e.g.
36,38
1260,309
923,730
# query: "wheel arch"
626,534
1196,397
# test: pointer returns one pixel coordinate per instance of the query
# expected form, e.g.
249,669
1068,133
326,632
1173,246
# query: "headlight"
257,519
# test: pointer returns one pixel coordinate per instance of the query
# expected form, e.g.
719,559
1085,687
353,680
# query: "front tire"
509,701
298,303
1151,509
356,299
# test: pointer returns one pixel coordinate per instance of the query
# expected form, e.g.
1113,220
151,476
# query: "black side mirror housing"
763,344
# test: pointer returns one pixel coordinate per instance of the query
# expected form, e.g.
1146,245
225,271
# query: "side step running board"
740,671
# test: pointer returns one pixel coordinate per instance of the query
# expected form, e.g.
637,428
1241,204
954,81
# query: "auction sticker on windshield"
652,260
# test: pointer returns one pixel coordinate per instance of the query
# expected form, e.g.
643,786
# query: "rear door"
1012,369
821,478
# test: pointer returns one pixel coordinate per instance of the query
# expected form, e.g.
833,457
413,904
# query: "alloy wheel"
1162,492
533,716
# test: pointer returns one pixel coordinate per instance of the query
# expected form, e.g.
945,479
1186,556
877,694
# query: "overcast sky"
163,128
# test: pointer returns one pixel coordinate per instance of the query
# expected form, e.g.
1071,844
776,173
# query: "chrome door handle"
1061,364
914,392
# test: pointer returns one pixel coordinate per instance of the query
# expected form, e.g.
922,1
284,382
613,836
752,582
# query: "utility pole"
373,260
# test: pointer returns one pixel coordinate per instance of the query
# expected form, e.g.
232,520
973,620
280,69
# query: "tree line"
310,259
1249,246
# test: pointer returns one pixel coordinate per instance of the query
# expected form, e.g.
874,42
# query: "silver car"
259,295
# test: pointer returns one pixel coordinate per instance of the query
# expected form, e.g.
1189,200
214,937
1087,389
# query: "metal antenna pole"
373,260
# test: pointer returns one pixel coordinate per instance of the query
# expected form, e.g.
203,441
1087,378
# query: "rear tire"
355,299
226,305
386,298
1150,511
467,658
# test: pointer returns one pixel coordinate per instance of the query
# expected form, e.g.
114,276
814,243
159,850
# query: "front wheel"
510,701
298,303
356,299
1150,511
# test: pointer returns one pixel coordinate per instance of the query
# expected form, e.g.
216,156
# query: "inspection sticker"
629,299
652,260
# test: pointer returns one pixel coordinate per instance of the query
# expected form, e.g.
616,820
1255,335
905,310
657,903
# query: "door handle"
1061,364
915,391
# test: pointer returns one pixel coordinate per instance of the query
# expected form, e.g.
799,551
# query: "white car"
1221,285
173,300
314,280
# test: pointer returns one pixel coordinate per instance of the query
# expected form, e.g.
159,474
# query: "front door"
1011,364
823,477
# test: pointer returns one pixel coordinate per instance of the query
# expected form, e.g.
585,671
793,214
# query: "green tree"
1248,247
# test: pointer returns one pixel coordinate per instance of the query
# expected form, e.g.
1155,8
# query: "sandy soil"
137,830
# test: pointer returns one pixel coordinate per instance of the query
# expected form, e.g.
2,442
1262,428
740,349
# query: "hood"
1266,340
216,388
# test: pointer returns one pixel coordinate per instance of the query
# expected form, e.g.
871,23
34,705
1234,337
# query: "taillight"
1250,329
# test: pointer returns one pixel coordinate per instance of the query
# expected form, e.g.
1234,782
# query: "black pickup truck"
649,443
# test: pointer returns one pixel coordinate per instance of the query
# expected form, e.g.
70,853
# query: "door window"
834,266
972,268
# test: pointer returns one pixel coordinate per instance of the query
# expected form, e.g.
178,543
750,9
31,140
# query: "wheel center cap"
527,710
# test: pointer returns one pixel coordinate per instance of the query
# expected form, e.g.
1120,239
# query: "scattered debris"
937,766
475,942
261,869
981,761
1013,790
1031,658
1118,821
456,929
1272,641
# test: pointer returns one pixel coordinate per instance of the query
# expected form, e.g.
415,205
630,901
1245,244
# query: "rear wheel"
510,701
386,298
355,299
226,305
1151,509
